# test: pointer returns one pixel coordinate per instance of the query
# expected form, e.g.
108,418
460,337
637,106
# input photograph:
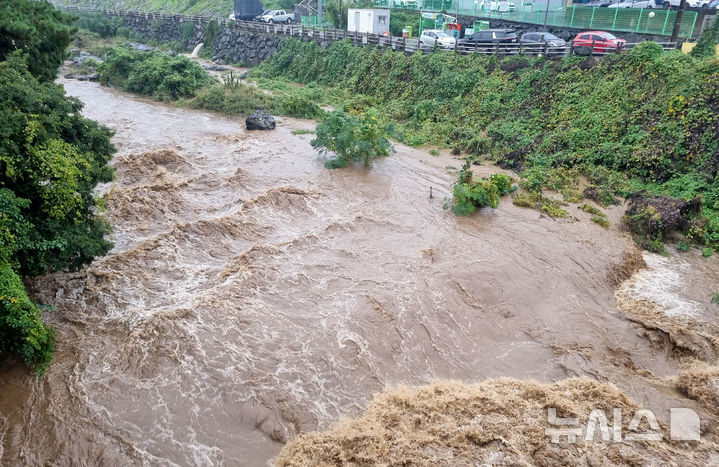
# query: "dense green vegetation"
707,42
642,121
43,39
176,78
103,26
470,194
51,158
351,139
153,73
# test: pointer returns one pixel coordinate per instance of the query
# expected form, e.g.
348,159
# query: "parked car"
259,17
430,37
542,38
675,3
634,4
277,16
597,42
592,3
489,37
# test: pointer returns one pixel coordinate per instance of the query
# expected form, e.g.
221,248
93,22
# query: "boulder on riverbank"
260,120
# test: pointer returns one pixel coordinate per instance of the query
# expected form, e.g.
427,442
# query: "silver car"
430,37
277,16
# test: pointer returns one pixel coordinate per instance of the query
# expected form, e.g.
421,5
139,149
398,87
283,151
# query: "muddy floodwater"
253,295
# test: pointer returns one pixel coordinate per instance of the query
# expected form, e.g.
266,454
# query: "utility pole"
319,13
678,21
546,12
341,24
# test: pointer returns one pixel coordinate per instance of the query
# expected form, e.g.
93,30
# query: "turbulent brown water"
253,295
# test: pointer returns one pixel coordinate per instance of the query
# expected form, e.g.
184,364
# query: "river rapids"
253,295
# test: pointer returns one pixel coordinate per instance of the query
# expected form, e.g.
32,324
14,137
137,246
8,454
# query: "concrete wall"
231,45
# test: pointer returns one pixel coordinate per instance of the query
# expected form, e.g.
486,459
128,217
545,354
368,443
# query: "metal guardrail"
406,45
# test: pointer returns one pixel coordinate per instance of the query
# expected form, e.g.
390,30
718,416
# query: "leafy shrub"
655,246
468,197
299,106
683,246
601,220
351,139
708,252
468,194
231,80
540,202
239,100
152,73
21,331
503,183
124,31
598,217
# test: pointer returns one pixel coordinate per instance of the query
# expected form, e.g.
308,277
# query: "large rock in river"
260,120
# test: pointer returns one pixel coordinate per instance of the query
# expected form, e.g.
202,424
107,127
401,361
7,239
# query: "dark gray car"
540,38
490,36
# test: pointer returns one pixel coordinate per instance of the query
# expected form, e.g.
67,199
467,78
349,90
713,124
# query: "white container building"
373,21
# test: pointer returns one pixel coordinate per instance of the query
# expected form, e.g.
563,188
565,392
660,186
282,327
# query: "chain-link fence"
657,21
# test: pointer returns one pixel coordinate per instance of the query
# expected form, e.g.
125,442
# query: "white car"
634,4
430,37
674,4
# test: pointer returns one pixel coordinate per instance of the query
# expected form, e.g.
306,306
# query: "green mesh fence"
658,21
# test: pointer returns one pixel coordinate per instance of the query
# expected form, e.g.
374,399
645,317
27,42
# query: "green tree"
352,139
51,159
37,29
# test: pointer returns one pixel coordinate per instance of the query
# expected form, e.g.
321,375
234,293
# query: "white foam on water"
662,283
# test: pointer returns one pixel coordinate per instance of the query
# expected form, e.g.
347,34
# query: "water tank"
247,9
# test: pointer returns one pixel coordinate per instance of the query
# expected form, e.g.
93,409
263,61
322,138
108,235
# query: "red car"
597,42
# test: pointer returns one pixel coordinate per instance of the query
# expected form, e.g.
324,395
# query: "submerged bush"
299,106
236,100
351,139
468,194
